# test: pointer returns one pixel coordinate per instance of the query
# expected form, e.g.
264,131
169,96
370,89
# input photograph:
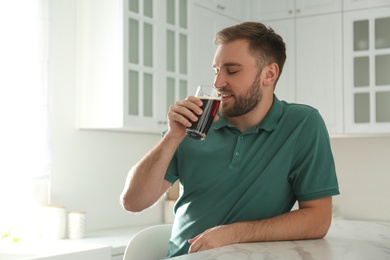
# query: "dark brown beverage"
199,129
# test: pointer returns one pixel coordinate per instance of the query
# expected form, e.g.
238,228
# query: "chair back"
149,244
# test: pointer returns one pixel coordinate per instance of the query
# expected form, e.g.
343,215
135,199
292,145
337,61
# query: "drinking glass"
211,101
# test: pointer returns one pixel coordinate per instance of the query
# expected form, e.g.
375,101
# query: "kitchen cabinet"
281,9
131,62
232,8
205,24
366,68
363,4
313,71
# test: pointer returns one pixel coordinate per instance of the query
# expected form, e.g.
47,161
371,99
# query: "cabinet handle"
162,122
298,11
290,11
220,7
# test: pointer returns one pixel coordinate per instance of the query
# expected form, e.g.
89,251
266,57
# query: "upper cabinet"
135,58
363,4
367,71
239,10
207,18
131,62
280,9
313,71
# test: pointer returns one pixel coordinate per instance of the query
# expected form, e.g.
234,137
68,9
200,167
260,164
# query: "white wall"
89,167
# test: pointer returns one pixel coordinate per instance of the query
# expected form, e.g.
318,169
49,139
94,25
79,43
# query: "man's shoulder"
298,109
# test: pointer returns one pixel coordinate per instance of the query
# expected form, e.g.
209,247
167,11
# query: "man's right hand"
182,114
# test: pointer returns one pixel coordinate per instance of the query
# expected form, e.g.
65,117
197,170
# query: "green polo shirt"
233,176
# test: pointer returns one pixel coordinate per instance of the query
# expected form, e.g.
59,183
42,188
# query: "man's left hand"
212,238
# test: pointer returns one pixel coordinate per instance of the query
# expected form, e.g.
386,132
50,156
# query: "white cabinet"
239,10
363,4
367,73
279,9
319,67
313,71
131,62
204,26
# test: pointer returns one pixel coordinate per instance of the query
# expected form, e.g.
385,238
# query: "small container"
76,225
53,222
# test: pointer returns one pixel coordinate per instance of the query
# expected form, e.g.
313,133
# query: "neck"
254,117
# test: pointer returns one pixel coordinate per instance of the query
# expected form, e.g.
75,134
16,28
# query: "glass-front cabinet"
132,62
157,69
367,71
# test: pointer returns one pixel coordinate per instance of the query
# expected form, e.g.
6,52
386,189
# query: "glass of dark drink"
211,101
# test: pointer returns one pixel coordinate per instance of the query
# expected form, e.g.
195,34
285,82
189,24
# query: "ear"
271,73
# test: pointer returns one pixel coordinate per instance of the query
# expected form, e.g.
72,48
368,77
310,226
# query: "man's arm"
145,183
311,221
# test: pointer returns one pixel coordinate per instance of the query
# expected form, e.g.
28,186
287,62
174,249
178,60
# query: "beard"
246,102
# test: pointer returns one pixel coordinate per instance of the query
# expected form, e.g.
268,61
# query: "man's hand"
311,221
212,238
182,114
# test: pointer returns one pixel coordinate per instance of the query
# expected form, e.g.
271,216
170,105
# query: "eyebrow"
229,64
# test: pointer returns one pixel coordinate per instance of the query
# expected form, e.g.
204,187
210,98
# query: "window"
24,133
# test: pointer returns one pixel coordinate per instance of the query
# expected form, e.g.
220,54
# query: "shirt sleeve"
313,173
172,173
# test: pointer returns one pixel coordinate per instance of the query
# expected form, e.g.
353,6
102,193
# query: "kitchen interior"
343,71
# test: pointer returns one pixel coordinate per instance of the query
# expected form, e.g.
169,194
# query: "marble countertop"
98,245
346,239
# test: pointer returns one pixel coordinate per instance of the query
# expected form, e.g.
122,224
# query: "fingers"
185,111
195,247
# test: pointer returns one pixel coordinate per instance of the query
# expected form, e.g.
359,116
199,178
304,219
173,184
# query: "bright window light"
24,137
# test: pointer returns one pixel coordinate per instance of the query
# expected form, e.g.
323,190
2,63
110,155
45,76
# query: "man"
260,156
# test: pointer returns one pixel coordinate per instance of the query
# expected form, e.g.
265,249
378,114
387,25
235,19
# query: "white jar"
76,225
53,222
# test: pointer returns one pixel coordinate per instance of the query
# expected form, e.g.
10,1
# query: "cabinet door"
366,67
205,24
140,66
285,87
310,7
319,67
173,36
363,4
269,10
279,9
235,9
99,64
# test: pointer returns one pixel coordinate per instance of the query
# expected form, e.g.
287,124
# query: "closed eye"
232,72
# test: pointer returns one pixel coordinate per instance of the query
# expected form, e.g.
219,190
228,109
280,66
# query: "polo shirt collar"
269,123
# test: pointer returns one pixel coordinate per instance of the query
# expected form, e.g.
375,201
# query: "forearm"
296,225
145,181
311,221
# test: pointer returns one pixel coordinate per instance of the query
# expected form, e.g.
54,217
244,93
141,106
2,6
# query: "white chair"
149,244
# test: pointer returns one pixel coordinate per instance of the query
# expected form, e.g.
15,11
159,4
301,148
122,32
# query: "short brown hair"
262,41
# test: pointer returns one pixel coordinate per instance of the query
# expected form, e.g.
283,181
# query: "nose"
219,80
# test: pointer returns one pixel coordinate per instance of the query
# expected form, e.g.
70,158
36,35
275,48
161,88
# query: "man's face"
238,78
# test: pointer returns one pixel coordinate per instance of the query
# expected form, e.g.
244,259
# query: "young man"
260,156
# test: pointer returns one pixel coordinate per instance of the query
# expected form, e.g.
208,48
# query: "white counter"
346,240
101,245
